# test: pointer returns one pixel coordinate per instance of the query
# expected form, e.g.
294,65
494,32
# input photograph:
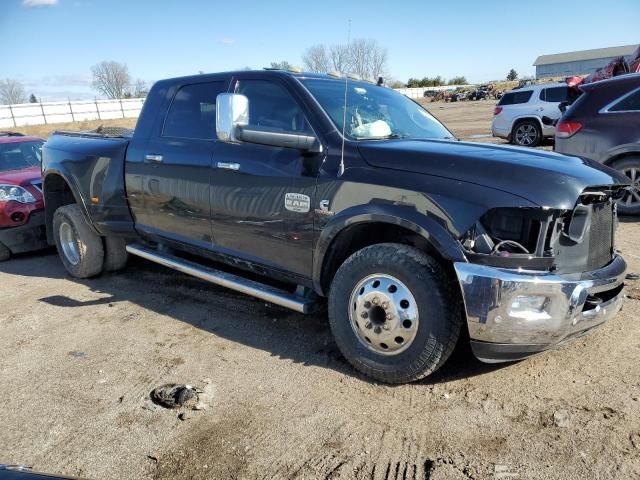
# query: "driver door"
262,196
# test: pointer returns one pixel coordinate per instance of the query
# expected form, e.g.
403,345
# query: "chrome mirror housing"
232,111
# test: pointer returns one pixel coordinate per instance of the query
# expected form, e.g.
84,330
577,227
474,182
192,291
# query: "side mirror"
562,106
232,111
232,125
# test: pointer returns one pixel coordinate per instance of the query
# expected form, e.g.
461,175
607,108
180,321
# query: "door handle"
151,157
229,166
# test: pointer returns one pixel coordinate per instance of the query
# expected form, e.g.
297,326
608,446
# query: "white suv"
518,115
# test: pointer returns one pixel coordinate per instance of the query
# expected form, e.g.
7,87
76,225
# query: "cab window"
193,112
272,106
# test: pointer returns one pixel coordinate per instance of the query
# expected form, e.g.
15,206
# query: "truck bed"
92,163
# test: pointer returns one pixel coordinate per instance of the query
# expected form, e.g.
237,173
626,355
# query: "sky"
50,45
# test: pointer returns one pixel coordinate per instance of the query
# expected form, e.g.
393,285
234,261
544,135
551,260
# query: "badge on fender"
297,202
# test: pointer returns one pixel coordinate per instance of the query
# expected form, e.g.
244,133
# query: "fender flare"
74,191
432,230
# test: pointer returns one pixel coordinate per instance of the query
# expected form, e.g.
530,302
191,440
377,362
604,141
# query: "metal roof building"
582,62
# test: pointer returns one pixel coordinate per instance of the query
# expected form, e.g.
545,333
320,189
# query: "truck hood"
20,177
545,178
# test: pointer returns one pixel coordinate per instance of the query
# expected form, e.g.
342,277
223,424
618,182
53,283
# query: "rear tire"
630,167
394,313
5,253
115,254
526,133
79,248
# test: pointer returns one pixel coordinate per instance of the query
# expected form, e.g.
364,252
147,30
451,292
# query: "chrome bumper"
501,331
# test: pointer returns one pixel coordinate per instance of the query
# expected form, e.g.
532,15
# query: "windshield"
19,155
374,112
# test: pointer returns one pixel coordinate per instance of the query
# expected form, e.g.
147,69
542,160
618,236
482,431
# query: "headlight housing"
15,193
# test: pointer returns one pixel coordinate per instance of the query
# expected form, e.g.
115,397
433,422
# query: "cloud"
228,40
39,3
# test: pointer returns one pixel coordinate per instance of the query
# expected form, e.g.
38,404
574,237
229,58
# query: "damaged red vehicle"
21,201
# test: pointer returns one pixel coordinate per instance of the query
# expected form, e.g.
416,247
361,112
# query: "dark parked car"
413,236
604,125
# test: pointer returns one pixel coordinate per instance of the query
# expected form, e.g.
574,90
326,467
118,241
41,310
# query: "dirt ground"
79,358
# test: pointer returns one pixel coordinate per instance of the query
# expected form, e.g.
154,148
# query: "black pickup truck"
292,187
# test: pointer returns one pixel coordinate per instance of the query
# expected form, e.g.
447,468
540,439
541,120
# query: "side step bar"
224,279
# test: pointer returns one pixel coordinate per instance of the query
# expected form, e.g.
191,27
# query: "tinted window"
374,112
629,103
513,98
555,94
193,111
19,155
272,106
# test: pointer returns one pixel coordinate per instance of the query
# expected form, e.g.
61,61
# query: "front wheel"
79,248
526,134
630,203
394,313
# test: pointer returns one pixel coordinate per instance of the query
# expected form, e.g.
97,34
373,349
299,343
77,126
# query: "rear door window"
193,111
630,103
555,94
514,98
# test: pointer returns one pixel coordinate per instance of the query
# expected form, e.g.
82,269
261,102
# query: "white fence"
22,114
418,92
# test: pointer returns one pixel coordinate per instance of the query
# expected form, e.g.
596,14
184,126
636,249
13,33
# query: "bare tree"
12,91
378,60
283,65
140,89
315,59
111,78
364,57
360,55
340,58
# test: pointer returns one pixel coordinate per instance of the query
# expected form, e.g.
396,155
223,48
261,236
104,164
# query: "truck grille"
600,235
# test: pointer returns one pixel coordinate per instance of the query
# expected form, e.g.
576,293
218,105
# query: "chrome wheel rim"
383,314
69,243
526,135
632,197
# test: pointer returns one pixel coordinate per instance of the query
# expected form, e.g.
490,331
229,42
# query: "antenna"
344,111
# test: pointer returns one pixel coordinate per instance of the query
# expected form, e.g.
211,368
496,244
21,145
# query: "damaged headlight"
15,193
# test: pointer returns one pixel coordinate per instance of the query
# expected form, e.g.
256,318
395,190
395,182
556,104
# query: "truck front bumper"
513,314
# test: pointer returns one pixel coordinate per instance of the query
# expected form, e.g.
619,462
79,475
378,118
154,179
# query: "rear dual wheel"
84,253
394,313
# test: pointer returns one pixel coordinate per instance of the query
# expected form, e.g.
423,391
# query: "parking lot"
79,359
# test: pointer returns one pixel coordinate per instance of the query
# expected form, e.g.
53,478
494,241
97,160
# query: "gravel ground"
79,359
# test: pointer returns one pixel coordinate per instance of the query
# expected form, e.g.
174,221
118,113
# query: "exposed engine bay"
562,241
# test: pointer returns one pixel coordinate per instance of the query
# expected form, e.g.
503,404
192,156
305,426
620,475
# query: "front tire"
526,134
79,248
630,167
394,313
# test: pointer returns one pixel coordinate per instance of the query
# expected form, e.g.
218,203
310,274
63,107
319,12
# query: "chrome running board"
224,279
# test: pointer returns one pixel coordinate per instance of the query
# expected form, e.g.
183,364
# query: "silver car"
518,115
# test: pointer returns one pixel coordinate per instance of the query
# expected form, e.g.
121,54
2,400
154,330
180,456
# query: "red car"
21,202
